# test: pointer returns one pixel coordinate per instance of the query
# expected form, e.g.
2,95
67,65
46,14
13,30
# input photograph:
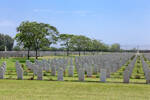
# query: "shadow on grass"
85,81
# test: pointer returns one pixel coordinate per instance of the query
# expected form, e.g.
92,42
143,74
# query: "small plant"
25,73
120,73
97,76
50,79
45,74
138,61
123,69
22,66
137,77
138,71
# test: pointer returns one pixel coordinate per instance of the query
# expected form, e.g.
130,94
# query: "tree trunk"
67,52
79,52
28,54
36,54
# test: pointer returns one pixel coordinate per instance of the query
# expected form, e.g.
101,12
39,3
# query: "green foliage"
33,35
65,41
115,47
6,40
99,46
138,70
80,42
17,48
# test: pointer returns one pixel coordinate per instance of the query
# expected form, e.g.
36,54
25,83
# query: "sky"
126,22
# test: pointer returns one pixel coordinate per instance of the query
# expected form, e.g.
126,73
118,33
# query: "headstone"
4,66
103,75
2,71
53,70
35,68
148,77
29,64
126,76
95,69
70,71
60,74
19,71
81,73
39,73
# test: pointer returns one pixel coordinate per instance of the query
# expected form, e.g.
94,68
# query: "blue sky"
113,21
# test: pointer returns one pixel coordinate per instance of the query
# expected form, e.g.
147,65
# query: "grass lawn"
71,88
54,90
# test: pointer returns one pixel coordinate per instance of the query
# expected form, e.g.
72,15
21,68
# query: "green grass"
71,88
138,70
54,90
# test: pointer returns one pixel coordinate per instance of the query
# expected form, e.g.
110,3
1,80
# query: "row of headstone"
104,64
2,70
146,70
128,71
19,71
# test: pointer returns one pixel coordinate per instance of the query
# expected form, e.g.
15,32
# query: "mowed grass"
71,88
54,90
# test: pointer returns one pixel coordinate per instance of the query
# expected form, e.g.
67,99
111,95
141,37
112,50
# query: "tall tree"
80,43
9,42
65,41
6,42
115,47
44,35
36,35
25,35
97,45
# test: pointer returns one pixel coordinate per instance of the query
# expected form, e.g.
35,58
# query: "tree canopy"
6,42
34,35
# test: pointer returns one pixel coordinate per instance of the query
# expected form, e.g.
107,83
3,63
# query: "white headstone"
81,73
103,75
60,74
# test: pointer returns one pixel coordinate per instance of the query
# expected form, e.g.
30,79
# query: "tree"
115,47
44,35
80,43
65,39
17,48
33,35
6,42
25,35
97,45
